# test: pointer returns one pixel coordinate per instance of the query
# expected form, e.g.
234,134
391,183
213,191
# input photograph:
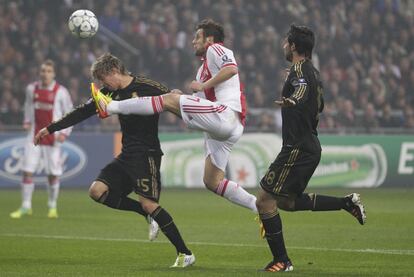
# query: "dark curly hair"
212,28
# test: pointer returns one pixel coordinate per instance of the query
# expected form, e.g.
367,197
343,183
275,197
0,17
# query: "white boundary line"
375,251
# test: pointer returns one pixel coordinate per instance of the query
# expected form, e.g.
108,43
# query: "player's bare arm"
223,75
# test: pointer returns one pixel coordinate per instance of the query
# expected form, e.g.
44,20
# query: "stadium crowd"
364,51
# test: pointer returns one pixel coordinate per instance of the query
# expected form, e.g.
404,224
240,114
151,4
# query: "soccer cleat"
153,228
355,207
275,266
101,101
21,212
184,260
52,213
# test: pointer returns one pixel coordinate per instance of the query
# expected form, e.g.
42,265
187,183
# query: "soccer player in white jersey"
217,107
46,101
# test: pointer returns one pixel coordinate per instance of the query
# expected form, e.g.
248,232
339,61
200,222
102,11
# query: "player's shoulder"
218,49
31,86
302,68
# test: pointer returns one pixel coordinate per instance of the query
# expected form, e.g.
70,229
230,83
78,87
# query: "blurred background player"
137,168
46,101
287,177
218,108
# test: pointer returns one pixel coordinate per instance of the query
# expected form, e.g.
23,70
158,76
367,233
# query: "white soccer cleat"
183,260
153,228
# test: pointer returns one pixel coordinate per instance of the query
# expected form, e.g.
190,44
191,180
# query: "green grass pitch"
89,239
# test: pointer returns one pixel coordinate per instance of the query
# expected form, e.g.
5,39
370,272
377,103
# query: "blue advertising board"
83,156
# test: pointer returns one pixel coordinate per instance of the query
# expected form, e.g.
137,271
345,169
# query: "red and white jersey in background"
229,92
44,105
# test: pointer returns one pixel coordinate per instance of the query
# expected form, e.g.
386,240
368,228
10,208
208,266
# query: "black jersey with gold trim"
304,87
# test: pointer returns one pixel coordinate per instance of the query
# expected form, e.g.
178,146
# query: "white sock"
138,105
236,194
53,192
27,192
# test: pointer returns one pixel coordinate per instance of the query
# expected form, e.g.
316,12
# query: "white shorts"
221,125
42,158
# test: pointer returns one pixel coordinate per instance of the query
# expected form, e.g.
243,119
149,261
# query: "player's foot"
101,101
275,266
184,260
52,213
355,207
21,212
153,228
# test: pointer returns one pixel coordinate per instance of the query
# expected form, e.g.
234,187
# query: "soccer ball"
83,24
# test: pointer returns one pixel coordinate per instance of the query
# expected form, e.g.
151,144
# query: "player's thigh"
115,177
265,202
289,174
214,118
144,175
139,174
97,190
31,157
219,150
52,156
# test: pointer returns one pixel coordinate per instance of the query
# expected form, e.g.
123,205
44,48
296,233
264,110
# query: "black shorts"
289,174
140,175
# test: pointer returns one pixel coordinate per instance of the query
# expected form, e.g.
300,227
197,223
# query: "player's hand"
26,126
61,138
42,133
285,102
196,86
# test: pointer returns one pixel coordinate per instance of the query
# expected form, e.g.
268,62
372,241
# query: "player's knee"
264,205
286,204
97,192
149,206
171,101
210,185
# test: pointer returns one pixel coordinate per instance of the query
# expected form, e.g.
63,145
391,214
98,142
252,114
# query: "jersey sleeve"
79,114
28,105
148,87
300,84
66,106
219,57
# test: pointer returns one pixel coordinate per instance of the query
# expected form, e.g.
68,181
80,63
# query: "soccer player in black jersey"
137,168
287,177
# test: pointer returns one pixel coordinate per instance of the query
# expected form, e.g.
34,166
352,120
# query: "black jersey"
139,132
299,122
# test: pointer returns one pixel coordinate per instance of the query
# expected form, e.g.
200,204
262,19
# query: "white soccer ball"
83,24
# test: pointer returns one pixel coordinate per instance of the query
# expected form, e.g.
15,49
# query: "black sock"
274,235
116,201
167,226
318,202
328,203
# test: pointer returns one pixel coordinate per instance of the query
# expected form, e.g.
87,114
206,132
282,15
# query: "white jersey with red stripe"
46,104
228,92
